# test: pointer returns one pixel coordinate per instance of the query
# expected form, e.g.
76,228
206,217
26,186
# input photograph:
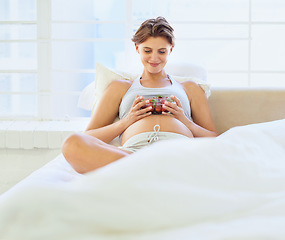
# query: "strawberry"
156,103
158,108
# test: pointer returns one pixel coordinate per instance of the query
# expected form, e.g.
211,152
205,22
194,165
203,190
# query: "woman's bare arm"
202,124
102,125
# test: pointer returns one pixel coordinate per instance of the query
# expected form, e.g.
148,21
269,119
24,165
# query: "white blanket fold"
208,188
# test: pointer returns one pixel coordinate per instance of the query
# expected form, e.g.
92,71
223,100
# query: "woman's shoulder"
182,82
120,85
188,84
191,87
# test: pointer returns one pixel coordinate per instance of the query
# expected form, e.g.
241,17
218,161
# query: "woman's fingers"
173,108
137,100
142,104
144,110
177,100
169,108
140,108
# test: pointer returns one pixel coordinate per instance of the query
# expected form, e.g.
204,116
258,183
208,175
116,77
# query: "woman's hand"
136,112
174,109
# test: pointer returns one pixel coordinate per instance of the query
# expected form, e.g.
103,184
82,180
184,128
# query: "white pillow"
104,76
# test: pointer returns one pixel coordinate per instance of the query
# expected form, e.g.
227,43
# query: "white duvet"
231,187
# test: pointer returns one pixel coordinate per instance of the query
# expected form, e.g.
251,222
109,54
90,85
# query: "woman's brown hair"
157,27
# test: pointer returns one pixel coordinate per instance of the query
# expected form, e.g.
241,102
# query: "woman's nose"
154,56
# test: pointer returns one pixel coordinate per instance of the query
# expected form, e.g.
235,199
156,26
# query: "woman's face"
154,53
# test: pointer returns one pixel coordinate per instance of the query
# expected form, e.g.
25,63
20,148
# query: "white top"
137,89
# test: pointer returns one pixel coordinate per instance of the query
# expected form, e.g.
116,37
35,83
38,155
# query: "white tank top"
137,89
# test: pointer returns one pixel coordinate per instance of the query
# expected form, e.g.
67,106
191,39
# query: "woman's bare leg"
86,153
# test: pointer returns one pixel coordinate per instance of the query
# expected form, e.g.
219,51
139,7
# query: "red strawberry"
158,108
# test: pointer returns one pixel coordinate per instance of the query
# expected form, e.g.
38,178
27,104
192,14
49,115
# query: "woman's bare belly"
166,123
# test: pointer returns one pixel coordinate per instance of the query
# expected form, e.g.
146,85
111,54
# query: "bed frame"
237,107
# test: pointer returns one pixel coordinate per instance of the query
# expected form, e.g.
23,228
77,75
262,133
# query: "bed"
229,187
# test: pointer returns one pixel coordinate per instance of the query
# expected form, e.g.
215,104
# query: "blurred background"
48,48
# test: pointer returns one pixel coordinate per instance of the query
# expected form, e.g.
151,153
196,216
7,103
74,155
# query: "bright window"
48,48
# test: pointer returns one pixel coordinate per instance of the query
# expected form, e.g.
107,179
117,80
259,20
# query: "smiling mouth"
154,64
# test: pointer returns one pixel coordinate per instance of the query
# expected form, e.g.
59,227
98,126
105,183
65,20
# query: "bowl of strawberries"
156,103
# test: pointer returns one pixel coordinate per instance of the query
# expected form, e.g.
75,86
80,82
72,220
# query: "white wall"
17,164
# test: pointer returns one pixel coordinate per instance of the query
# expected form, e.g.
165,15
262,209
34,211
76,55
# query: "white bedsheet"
230,187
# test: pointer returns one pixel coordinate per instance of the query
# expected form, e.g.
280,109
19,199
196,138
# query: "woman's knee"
72,145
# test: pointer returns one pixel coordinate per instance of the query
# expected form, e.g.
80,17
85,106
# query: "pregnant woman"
184,114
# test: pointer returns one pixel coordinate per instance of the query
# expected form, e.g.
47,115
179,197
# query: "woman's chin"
154,70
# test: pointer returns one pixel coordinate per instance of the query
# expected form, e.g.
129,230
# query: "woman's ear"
137,48
170,51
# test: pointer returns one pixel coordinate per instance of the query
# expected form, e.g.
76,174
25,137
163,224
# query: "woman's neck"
154,77
155,80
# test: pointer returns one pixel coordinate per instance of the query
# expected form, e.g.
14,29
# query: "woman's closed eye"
160,52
